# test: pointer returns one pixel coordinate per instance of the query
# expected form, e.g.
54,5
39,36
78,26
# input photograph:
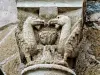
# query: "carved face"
48,37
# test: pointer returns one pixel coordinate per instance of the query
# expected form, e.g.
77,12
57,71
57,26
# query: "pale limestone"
40,39
8,45
11,65
8,12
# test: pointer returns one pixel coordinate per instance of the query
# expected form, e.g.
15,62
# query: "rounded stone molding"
47,69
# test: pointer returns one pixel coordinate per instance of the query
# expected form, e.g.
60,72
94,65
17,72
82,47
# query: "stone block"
48,12
10,66
8,45
8,12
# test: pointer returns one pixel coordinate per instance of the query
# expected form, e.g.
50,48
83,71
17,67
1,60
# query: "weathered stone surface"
50,3
8,12
93,70
5,30
89,52
74,14
47,69
88,61
48,12
8,45
23,14
80,45
51,41
10,66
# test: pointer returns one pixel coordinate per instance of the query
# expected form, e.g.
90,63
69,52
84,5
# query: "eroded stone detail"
88,61
51,42
43,37
46,44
